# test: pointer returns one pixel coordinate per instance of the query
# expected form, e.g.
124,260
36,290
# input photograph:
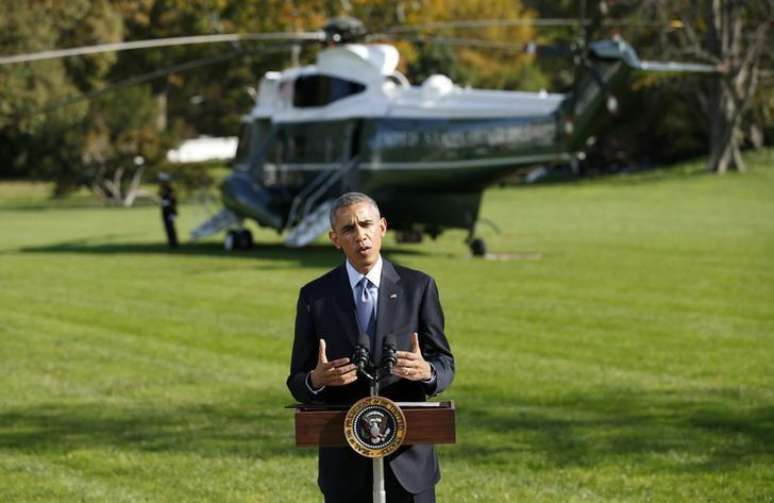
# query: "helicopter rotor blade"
322,35
549,50
533,22
484,23
676,67
556,50
147,77
464,42
317,36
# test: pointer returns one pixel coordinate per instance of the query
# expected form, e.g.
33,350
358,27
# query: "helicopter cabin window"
320,90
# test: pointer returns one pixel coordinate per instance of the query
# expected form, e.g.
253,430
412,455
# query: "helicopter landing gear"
477,247
239,239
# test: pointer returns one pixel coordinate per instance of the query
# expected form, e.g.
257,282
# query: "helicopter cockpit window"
252,139
320,90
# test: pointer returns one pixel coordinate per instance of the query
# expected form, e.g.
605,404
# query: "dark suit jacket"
408,302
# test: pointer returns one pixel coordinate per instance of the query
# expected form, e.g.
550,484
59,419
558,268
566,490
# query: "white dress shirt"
374,276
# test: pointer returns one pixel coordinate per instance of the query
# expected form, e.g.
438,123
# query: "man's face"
358,233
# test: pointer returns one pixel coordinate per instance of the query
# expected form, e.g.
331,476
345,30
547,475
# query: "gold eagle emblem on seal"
375,427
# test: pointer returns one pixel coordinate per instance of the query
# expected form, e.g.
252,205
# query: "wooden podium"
426,423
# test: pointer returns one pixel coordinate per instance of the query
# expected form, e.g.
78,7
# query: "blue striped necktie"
365,306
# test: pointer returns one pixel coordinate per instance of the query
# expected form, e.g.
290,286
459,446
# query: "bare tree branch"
693,45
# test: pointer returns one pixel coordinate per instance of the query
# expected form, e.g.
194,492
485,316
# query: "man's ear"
334,239
383,225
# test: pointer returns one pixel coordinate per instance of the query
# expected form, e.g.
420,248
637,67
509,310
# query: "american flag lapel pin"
393,296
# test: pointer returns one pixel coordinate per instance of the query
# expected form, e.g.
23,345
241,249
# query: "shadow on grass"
53,205
243,430
670,431
315,255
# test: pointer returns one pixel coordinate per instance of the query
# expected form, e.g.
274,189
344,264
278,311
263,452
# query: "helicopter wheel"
241,239
230,241
478,247
245,239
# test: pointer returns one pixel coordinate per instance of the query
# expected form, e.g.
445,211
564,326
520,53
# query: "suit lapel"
390,293
346,305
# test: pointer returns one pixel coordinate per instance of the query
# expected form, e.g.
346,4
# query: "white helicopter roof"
387,93
361,60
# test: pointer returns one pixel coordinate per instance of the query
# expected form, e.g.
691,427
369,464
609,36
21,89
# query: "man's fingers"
339,362
406,364
411,365
326,366
329,369
338,372
411,373
405,355
347,378
340,376
415,343
322,357
342,369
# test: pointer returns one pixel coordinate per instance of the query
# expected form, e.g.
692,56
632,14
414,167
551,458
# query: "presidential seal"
375,427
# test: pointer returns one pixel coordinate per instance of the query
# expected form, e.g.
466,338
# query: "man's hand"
336,373
410,364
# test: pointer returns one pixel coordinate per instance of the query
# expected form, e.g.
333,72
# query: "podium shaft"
380,496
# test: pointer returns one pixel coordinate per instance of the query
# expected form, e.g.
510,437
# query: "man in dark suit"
329,319
168,208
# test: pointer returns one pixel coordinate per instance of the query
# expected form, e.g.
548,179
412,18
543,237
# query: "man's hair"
347,200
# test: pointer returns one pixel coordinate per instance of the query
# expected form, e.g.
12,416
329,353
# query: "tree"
734,35
120,138
41,142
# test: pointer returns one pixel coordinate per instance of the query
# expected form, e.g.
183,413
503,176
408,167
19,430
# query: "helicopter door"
251,150
274,156
354,138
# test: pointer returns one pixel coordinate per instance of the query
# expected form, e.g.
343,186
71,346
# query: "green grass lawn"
619,347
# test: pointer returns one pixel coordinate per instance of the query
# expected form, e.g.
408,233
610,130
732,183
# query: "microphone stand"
375,375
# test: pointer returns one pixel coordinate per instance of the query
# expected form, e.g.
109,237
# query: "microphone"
362,356
389,356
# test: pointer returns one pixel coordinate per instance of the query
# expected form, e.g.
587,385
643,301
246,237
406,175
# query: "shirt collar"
374,275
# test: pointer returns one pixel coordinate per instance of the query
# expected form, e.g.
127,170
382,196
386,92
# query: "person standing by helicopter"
168,208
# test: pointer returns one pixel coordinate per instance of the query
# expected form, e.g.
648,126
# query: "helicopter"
425,153
352,122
